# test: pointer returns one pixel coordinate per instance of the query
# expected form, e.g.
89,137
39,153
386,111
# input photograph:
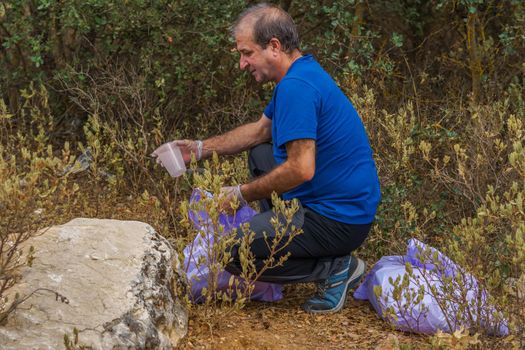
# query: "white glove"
229,194
187,147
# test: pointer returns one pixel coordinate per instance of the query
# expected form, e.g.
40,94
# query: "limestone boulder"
113,281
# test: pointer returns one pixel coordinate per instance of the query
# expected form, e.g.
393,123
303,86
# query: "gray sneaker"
331,294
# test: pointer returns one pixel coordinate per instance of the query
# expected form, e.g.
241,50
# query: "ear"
275,46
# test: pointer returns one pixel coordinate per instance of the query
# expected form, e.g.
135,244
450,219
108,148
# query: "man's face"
258,61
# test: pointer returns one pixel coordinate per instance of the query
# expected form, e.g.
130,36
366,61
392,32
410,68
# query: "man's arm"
232,142
239,139
297,169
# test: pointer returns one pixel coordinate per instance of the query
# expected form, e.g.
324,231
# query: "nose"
243,63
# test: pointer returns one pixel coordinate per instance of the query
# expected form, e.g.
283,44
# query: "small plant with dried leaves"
219,243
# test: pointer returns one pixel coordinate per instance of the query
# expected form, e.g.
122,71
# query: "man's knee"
261,160
234,267
261,151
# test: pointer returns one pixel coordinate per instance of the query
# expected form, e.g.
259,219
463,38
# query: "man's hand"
231,199
187,147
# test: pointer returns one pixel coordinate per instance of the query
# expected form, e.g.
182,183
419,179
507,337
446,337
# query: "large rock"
118,278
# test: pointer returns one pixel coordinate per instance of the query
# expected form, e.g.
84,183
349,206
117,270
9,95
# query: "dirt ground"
283,325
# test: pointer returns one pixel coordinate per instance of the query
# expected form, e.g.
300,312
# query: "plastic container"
170,157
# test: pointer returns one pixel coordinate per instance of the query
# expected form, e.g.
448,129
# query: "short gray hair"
270,21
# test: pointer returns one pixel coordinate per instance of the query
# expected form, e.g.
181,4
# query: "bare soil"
283,325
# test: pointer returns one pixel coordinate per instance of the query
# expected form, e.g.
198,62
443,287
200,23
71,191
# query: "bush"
218,243
439,86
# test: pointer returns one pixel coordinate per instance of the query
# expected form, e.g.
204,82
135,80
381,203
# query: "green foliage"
73,344
439,86
32,191
177,56
219,243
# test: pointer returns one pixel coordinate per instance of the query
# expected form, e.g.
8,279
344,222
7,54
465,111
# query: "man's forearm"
238,139
297,169
281,179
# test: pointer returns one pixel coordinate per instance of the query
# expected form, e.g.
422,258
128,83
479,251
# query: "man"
321,156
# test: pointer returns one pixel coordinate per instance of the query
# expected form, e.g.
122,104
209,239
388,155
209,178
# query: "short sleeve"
296,106
268,111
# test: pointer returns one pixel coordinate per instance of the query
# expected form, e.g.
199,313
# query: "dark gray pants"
315,253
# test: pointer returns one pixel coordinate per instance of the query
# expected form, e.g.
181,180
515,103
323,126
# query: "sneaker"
331,294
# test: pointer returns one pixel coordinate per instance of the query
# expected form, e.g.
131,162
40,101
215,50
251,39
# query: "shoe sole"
351,283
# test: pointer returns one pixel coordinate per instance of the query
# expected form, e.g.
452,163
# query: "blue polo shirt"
307,104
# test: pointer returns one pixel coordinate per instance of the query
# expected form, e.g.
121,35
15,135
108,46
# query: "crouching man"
319,154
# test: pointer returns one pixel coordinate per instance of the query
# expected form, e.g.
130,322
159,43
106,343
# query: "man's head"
267,39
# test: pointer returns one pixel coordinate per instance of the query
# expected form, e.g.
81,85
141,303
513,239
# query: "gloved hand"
229,196
187,147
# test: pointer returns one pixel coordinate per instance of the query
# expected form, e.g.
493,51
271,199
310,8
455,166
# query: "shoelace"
321,290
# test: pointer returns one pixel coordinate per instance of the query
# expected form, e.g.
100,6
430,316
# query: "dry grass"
284,325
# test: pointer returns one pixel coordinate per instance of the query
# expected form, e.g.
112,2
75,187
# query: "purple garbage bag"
435,312
196,254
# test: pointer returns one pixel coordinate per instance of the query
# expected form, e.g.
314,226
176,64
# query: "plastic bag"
196,255
429,316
